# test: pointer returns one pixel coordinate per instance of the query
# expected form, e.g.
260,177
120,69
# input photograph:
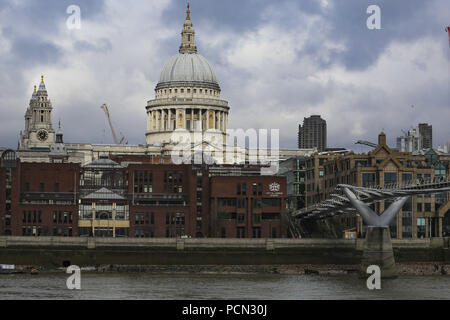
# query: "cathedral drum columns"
187,97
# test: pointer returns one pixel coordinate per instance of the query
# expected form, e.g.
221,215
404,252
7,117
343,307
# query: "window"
427,207
270,216
271,202
421,227
238,188
244,189
227,202
257,202
419,207
259,189
274,232
42,187
256,218
139,218
406,177
390,178
257,232
407,224
241,203
56,187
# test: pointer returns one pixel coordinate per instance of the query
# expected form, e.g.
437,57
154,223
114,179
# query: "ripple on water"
210,286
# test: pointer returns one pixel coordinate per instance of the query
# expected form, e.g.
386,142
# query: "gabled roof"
103,193
103,163
385,162
381,147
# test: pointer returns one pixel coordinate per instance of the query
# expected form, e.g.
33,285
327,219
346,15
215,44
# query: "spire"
187,35
33,96
59,134
42,84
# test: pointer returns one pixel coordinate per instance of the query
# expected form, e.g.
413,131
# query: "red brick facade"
157,199
247,206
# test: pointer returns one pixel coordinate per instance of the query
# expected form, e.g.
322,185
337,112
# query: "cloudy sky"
277,62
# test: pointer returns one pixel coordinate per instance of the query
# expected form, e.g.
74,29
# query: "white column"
159,119
226,121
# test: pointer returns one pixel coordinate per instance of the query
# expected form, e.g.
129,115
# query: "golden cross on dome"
188,13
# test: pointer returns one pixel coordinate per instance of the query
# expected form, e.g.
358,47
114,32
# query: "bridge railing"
431,183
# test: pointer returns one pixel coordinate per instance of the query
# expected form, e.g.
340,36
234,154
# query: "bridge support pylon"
378,251
377,245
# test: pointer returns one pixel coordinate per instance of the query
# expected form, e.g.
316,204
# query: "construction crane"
116,140
366,143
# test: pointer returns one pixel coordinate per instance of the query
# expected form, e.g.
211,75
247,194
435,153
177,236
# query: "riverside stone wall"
56,251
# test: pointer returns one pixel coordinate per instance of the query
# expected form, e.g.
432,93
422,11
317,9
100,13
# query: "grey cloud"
267,96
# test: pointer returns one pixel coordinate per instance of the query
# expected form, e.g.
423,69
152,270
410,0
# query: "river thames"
130,286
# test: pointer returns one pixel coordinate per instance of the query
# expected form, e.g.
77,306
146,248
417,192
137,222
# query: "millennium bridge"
347,198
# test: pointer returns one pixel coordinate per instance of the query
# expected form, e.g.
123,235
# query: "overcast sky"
276,61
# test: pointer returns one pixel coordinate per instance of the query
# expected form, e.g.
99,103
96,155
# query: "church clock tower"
39,132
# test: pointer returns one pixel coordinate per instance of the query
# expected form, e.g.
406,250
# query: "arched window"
8,159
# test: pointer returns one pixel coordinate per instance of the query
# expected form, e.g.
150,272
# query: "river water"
218,286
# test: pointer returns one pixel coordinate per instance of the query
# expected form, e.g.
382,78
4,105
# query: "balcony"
159,199
187,102
49,198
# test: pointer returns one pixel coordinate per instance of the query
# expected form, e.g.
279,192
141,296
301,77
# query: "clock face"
42,135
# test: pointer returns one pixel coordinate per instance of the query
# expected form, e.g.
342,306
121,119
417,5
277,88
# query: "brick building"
421,216
138,196
248,206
